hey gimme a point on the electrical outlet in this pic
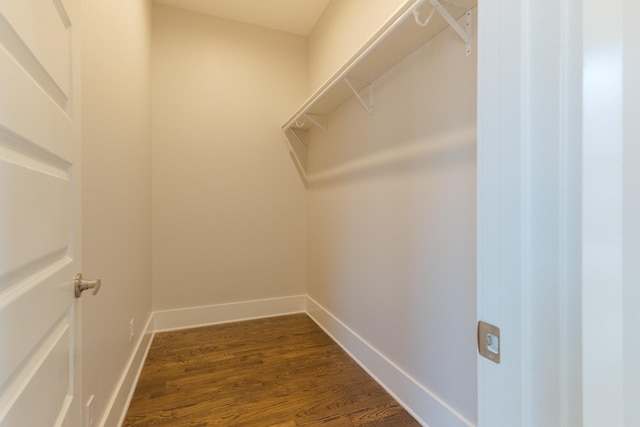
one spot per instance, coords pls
(88, 412)
(131, 330)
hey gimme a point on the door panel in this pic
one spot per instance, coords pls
(36, 34)
(48, 369)
(42, 27)
(39, 213)
(33, 235)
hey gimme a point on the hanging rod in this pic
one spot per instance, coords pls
(315, 119)
(465, 35)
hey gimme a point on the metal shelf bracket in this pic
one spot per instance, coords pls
(302, 140)
(465, 34)
(468, 31)
(317, 120)
(367, 106)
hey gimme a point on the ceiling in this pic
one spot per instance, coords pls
(293, 16)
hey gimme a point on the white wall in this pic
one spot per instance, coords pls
(341, 30)
(116, 231)
(392, 222)
(228, 205)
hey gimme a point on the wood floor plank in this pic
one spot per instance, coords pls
(276, 372)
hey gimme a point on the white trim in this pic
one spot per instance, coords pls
(423, 404)
(631, 212)
(603, 296)
(119, 403)
(501, 208)
(224, 313)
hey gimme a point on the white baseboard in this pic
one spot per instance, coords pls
(119, 402)
(423, 404)
(225, 313)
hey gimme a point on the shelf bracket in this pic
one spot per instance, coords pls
(368, 107)
(465, 34)
(468, 32)
(300, 140)
(318, 120)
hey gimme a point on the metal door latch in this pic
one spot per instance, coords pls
(489, 341)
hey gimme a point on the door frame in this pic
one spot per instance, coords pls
(555, 209)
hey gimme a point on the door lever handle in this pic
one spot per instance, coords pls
(83, 285)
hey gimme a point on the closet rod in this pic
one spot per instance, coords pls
(345, 71)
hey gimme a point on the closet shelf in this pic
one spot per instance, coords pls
(399, 36)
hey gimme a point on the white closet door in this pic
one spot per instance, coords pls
(39, 213)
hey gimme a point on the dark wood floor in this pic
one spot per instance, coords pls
(282, 371)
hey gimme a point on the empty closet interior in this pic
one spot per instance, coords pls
(332, 173)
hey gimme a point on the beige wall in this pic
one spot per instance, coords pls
(116, 231)
(392, 220)
(228, 206)
(388, 232)
(341, 31)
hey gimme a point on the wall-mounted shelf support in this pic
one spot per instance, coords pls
(468, 27)
(301, 139)
(465, 34)
(395, 40)
(367, 106)
(318, 120)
